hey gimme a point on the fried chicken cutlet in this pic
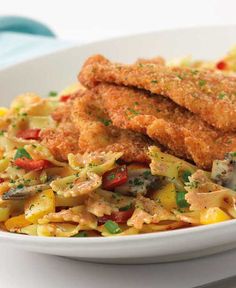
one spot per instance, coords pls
(183, 132)
(209, 94)
(82, 127)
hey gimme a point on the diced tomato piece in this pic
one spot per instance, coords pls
(29, 134)
(29, 164)
(1, 180)
(65, 98)
(118, 217)
(221, 65)
(115, 177)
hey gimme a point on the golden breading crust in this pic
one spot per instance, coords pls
(83, 126)
(184, 133)
(209, 94)
(98, 133)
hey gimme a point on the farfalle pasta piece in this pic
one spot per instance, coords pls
(148, 211)
(77, 214)
(38, 152)
(149, 228)
(203, 194)
(192, 217)
(75, 185)
(57, 230)
(102, 202)
(97, 162)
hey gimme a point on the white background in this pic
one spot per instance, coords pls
(92, 19)
(89, 20)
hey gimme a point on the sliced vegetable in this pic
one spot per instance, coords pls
(29, 134)
(213, 215)
(118, 217)
(115, 177)
(180, 199)
(29, 164)
(1, 180)
(39, 205)
(65, 98)
(4, 213)
(22, 153)
(112, 227)
(15, 223)
(221, 65)
(81, 234)
(166, 196)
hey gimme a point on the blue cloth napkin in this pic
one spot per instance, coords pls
(17, 46)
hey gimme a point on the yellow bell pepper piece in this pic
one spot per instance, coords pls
(15, 223)
(166, 196)
(4, 213)
(39, 205)
(3, 111)
(213, 215)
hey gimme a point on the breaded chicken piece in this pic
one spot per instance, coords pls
(98, 133)
(174, 127)
(209, 94)
(83, 126)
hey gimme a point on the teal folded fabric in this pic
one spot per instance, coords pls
(17, 47)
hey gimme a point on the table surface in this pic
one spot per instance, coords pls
(83, 23)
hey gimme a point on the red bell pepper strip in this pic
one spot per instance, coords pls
(221, 65)
(65, 98)
(1, 180)
(115, 177)
(29, 164)
(29, 134)
(118, 217)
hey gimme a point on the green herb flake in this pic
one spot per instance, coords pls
(180, 77)
(20, 186)
(185, 175)
(154, 81)
(112, 227)
(52, 94)
(147, 173)
(221, 95)
(22, 153)
(202, 82)
(1, 133)
(112, 176)
(138, 182)
(134, 112)
(126, 208)
(106, 122)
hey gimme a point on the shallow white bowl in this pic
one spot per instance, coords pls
(54, 72)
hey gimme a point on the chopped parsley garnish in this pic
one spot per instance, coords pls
(221, 95)
(22, 153)
(233, 154)
(81, 234)
(154, 81)
(126, 208)
(147, 173)
(24, 114)
(1, 133)
(52, 94)
(180, 77)
(138, 182)
(194, 72)
(201, 82)
(31, 206)
(20, 186)
(106, 122)
(112, 227)
(185, 175)
(134, 112)
(112, 176)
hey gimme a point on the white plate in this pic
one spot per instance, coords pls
(55, 71)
